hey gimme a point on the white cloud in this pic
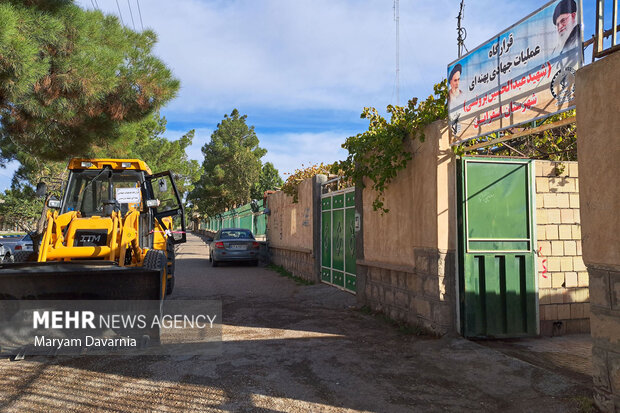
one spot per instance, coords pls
(301, 57)
(310, 54)
(289, 151)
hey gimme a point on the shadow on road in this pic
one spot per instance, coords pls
(288, 348)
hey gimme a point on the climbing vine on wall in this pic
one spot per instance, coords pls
(293, 180)
(382, 151)
(558, 144)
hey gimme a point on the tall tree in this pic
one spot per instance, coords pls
(268, 179)
(146, 141)
(231, 166)
(20, 208)
(70, 78)
(142, 140)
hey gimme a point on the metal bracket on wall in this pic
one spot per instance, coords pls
(538, 129)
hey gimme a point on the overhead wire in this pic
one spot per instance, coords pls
(140, 14)
(119, 13)
(131, 14)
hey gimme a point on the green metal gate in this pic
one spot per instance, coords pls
(497, 277)
(338, 239)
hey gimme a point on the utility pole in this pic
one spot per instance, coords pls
(397, 19)
(462, 33)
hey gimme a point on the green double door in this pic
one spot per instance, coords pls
(498, 296)
(338, 239)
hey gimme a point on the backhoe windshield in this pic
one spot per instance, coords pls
(87, 191)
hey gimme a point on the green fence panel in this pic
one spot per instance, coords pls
(260, 227)
(326, 244)
(241, 217)
(338, 240)
(349, 237)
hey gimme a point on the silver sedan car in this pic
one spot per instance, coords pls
(233, 244)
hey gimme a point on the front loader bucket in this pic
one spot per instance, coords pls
(78, 281)
(100, 286)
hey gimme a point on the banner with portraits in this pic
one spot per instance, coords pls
(525, 73)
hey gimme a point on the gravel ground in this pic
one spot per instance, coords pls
(289, 348)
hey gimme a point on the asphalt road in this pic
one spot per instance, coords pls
(288, 348)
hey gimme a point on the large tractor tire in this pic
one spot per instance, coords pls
(170, 262)
(156, 260)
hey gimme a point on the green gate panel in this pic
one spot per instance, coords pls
(499, 296)
(338, 240)
(349, 199)
(326, 275)
(497, 200)
(326, 239)
(326, 204)
(338, 255)
(497, 280)
(351, 282)
(338, 201)
(338, 278)
(349, 253)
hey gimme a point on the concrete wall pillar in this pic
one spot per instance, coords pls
(598, 152)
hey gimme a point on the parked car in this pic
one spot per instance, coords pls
(14, 244)
(5, 254)
(233, 244)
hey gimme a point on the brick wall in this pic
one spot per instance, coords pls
(563, 289)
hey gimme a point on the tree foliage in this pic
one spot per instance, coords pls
(145, 140)
(142, 140)
(269, 179)
(70, 78)
(20, 208)
(231, 167)
(381, 151)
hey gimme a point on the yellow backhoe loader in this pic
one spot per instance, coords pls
(111, 237)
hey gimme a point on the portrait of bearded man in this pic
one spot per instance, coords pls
(567, 25)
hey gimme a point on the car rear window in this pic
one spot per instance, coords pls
(231, 234)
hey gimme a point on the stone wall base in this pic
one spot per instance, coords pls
(549, 328)
(422, 295)
(298, 263)
(605, 319)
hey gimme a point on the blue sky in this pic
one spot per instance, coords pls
(303, 70)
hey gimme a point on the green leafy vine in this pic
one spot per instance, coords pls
(382, 151)
(558, 144)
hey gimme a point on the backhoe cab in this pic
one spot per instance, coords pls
(116, 224)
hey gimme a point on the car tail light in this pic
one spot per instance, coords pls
(18, 247)
(219, 245)
(255, 245)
